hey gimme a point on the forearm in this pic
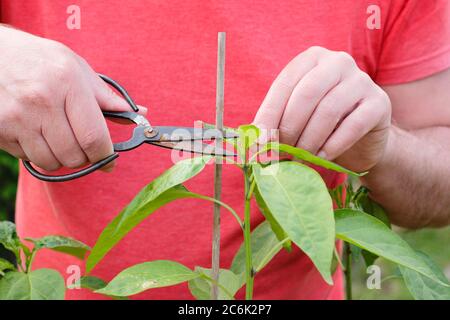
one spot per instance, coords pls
(412, 181)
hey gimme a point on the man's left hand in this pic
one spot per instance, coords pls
(322, 102)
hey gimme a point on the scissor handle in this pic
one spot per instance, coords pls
(81, 173)
(69, 176)
(121, 90)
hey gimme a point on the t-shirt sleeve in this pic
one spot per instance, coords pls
(416, 41)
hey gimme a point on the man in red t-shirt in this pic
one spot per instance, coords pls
(335, 104)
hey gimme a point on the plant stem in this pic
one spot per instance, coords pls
(348, 271)
(338, 258)
(230, 209)
(247, 239)
(218, 166)
(21, 268)
(252, 187)
(29, 262)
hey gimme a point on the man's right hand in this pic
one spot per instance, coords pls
(50, 103)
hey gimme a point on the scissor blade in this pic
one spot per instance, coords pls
(190, 134)
(195, 147)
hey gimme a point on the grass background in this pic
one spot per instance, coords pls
(433, 242)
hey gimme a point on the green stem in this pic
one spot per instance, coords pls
(20, 267)
(19, 262)
(29, 262)
(247, 240)
(252, 187)
(348, 271)
(231, 210)
(338, 258)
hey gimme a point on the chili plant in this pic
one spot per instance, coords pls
(298, 211)
(18, 281)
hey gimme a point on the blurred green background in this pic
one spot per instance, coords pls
(433, 242)
(8, 184)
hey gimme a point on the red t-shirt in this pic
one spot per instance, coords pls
(164, 53)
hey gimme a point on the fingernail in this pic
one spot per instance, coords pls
(142, 110)
(263, 137)
(108, 170)
(322, 154)
(109, 167)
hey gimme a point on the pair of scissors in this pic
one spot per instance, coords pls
(173, 137)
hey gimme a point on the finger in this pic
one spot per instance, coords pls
(38, 152)
(368, 116)
(272, 107)
(14, 149)
(109, 100)
(304, 99)
(87, 122)
(106, 97)
(59, 136)
(333, 108)
(142, 110)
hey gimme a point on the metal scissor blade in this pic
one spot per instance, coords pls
(195, 147)
(168, 133)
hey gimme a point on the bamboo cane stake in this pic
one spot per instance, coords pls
(218, 164)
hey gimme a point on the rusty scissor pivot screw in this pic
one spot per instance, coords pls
(150, 132)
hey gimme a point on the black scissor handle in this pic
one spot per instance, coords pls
(69, 176)
(121, 90)
(81, 173)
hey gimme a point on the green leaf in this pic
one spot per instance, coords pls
(5, 265)
(113, 233)
(61, 244)
(357, 253)
(232, 141)
(307, 156)
(9, 238)
(421, 287)
(158, 193)
(229, 284)
(42, 284)
(89, 282)
(276, 228)
(92, 283)
(366, 204)
(148, 275)
(371, 234)
(369, 257)
(248, 134)
(263, 241)
(334, 264)
(120, 227)
(299, 201)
